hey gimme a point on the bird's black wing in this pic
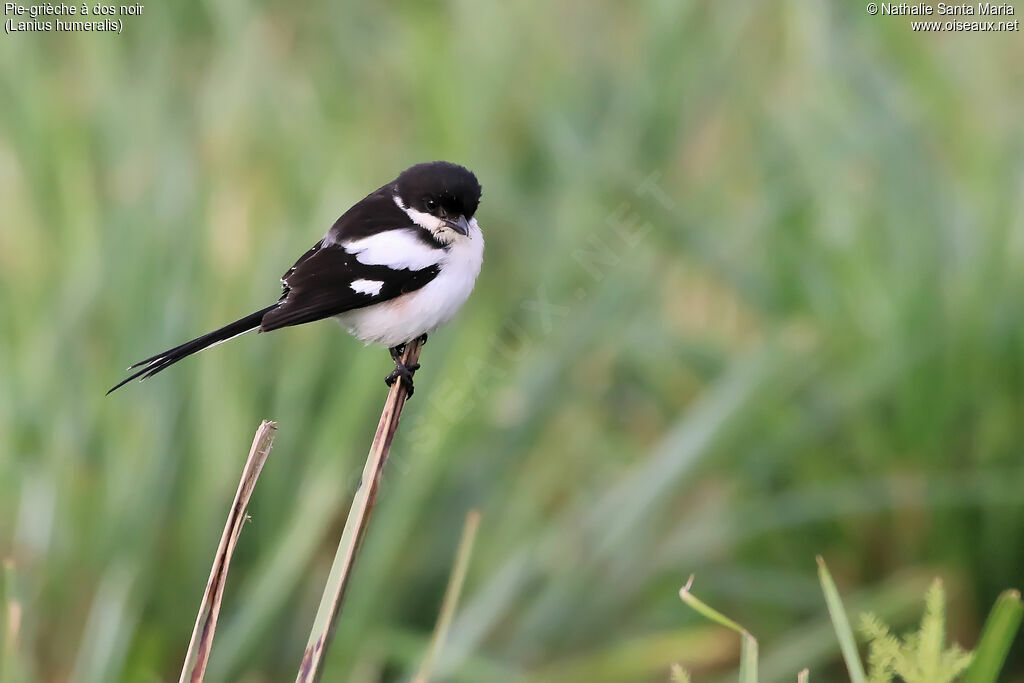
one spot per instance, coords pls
(330, 280)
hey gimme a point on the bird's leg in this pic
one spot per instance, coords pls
(401, 370)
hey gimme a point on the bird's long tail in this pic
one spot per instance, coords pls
(162, 361)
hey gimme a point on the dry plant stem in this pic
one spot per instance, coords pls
(451, 596)
(11, 624)
(206, 621)
(311, 668)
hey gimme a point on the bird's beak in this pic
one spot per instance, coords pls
(460, 226)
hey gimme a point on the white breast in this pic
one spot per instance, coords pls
(404, 318)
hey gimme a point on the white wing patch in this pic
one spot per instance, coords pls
(371, 287)
(396, 249)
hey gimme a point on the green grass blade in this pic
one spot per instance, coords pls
(996, 638)
(451, 596)
(813, 643)
(841, 624)
(748, 659)
(748, 648)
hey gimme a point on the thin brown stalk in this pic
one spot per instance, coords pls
(198, 655)
(10, 624)
(311, 668)
(451, 596)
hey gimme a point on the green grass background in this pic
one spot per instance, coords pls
(752, 292)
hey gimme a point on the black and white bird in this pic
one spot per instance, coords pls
(393, 268)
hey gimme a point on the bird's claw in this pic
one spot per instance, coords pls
(405, 373)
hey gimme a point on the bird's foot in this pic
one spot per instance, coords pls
(405, 373)
(401, 371)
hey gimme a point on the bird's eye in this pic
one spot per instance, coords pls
(431, 204)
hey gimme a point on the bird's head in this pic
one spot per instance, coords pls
(440, 197)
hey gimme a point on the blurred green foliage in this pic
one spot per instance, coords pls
(752, 293)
